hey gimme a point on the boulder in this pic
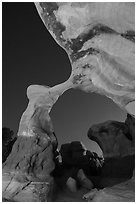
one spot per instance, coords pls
(72, 153)
(75, 156)
(71, 184)
(113, 137)
(116, 140)
(84, 181)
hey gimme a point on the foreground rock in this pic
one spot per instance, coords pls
(26, 172)
(123, 192)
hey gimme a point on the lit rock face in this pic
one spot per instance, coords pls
(26, 172)
(99, 40)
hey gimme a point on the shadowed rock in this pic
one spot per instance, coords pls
(114, 138)
(75, 156)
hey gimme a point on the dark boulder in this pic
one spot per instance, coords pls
(74, 156)
(113, 138)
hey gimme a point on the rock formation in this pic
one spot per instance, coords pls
(26, 172)
(114, 138)
(117, 141)
(123, 192)
(75, 155)
(99, 40)
(101, 51)
(78, 163)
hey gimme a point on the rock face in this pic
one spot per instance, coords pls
(100, 48)
(123, 192)
(26, 172)
(101, 51)
(116, 139)
(8, 139)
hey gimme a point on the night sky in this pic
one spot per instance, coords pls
(31, 56)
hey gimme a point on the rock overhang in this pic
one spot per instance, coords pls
(95, 65)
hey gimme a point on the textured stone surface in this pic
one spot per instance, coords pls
(114, 138)
(100, 49)
(25, 191)
(26, 172)
(123, 192)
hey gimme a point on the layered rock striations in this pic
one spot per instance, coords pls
(26, 172)
(99, 45)
(99, 41)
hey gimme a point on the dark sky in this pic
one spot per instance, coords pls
(31, 56)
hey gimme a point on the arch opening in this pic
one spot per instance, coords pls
(76, 111)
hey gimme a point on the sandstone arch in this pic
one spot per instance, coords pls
(102, 58)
